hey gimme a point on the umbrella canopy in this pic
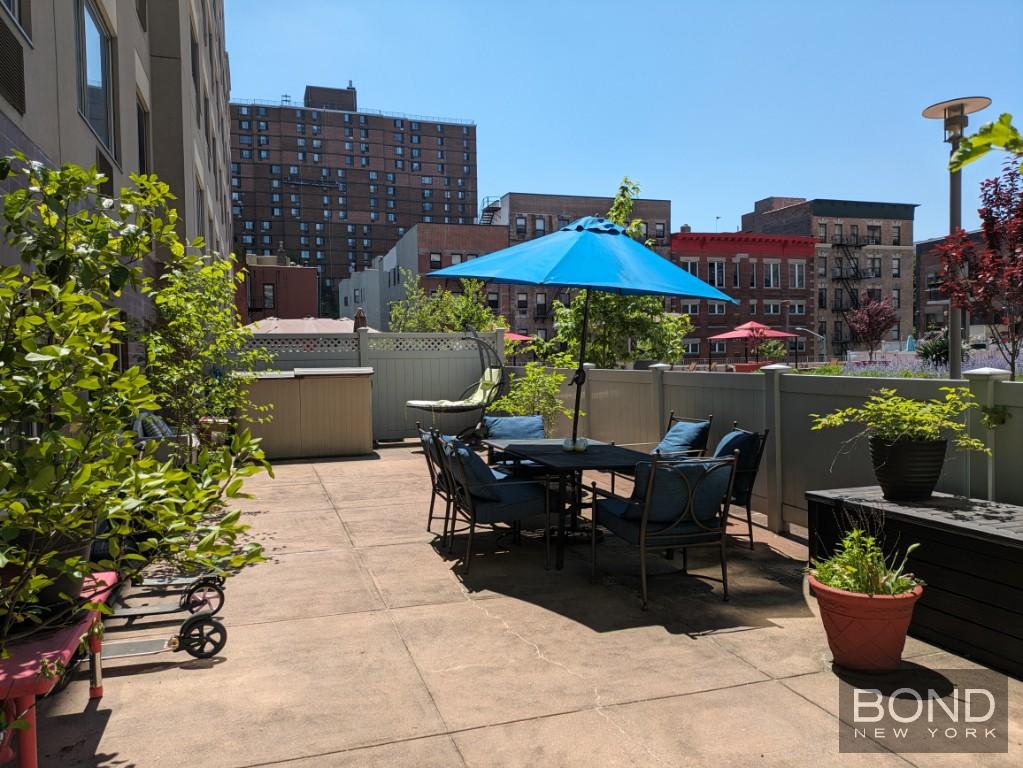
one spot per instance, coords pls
(591, 253)
(512, 336)
(767, 333)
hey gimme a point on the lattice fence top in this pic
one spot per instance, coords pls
(416, 343)
(324, 344)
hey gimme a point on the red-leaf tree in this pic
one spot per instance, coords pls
(872, 320)
(987, 279)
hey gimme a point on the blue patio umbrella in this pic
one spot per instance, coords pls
(591, 253)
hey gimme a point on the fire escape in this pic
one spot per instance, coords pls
(491, 205)
(846, 273)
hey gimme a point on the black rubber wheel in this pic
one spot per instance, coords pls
(202, 637)
(203, 596)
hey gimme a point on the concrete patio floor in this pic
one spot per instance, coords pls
(359, 644)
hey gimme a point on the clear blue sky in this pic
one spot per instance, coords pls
(710, 104)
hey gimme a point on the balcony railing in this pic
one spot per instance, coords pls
(856, 240)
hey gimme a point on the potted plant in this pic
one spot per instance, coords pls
(866, 603)
(908, 438)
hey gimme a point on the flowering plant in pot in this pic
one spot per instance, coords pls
(908, 437)
(866, 603)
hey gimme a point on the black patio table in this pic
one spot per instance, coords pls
(549, 454)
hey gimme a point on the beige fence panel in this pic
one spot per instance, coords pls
(621, 406)
(1008, 444)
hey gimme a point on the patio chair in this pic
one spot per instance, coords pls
(750, 449)
(512, 428)
(674, 505)
(483, 497)
(439, 483)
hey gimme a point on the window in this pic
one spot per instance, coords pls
(896, 234)
(716, 275)
(95, 95)
(200, 209)
(539, 225)
(268, 295)
(522, 301)
(797, 308)
(822, 231)
(837, 236)
(691, 308)
(541, 304)
(753, 306)
(735, 274)
(692, 266)
(715, 308)
(718, 347)
(264, 154)
(797, 274)
(772, 274)
(691, 347)
(659, 230)
(434, 261)
(752, 274)
(854, 233)
(874, 234)
(772, 308)
(822, 266)
(874, 266)
(456, 258)
(822, 298)
(142, 127)
(896, 265)
(896, 297)
(520, 225)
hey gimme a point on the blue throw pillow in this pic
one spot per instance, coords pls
(514, 427)
(478, 476)
(685, 436)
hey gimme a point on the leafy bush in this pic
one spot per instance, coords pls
(68, 459)
(772, 349)
(891, 417)
(934, 351)
(538, 391)
(859, 566)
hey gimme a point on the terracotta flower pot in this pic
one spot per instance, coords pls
(907, 470)
(865, 632)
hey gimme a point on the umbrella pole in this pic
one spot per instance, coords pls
(580, 374)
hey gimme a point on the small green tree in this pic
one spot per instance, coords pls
(442, 311)
(772, 349)
(621, 328)
(199, 358)
(537, 391)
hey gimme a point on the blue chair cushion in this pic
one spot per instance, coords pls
(672, 487)
(513, 427)
(685, 436)
(616, 516)
(478, 476)
(748, 446)
(517, 500)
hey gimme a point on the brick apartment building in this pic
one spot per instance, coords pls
(861, 246)
(127, 86)
(529, 309)
(769, 275)
(274, 287)
(338, 186)
(931, 306)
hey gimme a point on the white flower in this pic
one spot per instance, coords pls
(108, 202)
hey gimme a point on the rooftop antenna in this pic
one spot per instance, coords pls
(285, 98)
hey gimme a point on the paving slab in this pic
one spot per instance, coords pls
(412, 574)
(297, 531)
(323, 685)
(286, 497)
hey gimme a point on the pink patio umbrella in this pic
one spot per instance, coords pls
(512, 336)
(750, 330)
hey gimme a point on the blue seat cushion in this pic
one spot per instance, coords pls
(479, 478)
(516, 500)
(685, 436)
(672, 486)
(748, 446)
(513, 427)
(617, 516)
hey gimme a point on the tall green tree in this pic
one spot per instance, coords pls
(622, 328)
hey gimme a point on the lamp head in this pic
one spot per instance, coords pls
(954, 113)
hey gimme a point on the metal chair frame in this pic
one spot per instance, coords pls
(439, 482)
(693, 454)
(662, 538)
(752, 472)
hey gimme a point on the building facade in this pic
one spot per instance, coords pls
(770, 276)
(424, 248)
(862, 247)
(338, 187)
(529, 309)
(276, 289)
(129, 86)
(931, 305)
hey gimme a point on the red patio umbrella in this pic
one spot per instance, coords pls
(512, 336)
(751, 330)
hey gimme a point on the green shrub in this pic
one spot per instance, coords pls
(538, 391)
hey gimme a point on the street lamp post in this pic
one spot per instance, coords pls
(954, 114)
(823, 338)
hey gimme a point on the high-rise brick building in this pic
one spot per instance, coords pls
(861, 247)
(768, 275)
(336, 186)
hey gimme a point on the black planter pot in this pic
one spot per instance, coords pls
(907, 470)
